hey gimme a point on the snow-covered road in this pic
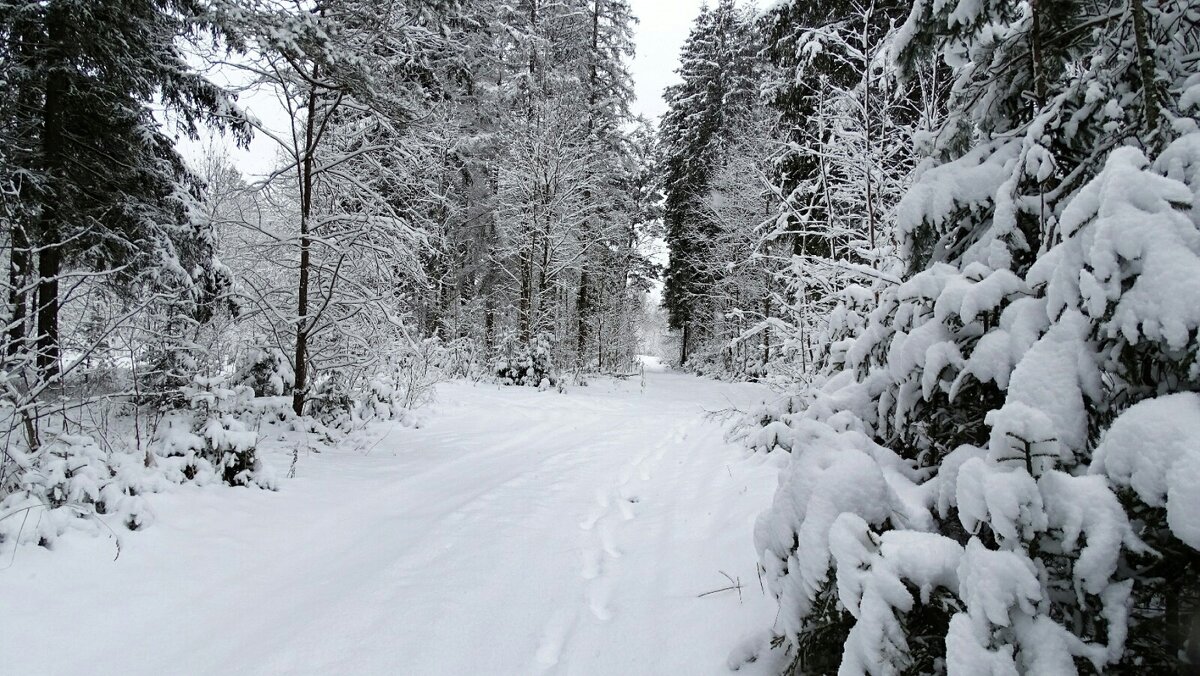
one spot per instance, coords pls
(516, 532)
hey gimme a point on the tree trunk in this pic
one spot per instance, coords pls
(49, 267)
(1145, 64)
(526, 306)
(543, 280)
(489, 326)
(683, 344)
(53, 154)
(766, 332)
(300, 388)
(20, 264)
(581, 306)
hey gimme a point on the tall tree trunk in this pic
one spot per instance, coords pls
(300, 388)
(766, 330)
(489, 325)
(600, 326)
(581, 308)
(49, 244)
(867, 142)
(543, 279)
(683, 344)
(20, 263)
(525, 309)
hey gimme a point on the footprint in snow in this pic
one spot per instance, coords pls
(599, 598)
(626, 505)
(607, 541)
(590, 522)
(592, 557)
(553, 636)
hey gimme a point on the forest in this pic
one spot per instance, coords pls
(922, 278)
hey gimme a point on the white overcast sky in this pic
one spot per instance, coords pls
(662, 28)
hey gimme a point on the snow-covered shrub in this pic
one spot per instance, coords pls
(998, 470)
(418, 369)
(66, 484)
(461, 358)
(211, 441)
(529, 365)
(404, 382)
(331, 401)
(264, 369)
(95, 477)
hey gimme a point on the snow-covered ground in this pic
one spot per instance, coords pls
(516, 532)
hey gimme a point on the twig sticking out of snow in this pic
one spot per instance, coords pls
(734, 583)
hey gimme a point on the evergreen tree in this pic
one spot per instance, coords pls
(1069, 82)
(982, 407)
(704, 110)
(99, 185)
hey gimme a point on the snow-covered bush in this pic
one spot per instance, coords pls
(407, 386)
(404, 383)
(419, 368)
(529, 365)
(68, 482)
(998, 472)
(461, 358)
(210, 441)
(93, 478)
(332, 399)
(264, 369)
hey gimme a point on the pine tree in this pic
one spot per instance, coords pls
(100, 187)
(704, 110)
(609, 89)
(1066, 85)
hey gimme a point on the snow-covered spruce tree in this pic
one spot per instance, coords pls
(704, 111)
(992, 475)
(529, 365)
(264, 369)
(83, 80)
(220, 445)
(608, 232)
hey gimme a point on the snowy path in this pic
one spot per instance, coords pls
(516, 533)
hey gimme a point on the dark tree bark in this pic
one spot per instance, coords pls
(300, 388)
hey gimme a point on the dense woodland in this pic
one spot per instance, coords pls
(961, 238)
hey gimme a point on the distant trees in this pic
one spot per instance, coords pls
(542, 223)
(705, 113)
